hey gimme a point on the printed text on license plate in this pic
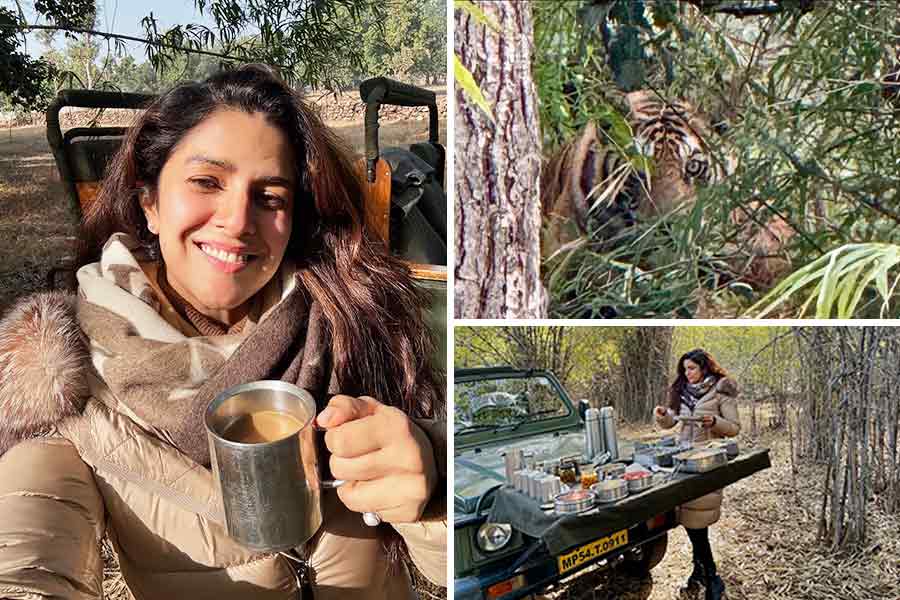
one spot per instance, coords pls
(590, 551)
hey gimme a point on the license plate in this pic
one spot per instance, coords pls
(592, 550)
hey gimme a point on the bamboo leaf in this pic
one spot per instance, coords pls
(841, 277)
(465, 80)
(476, 13)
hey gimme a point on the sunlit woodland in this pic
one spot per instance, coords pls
(822, 522)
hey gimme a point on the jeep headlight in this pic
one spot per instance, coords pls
(493, 536)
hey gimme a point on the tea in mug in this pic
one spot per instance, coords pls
(262, 426)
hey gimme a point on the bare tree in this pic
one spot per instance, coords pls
(849, 421)
(551, 348)
(498, 162)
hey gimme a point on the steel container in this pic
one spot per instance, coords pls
(700, 460)
(518, 478)
(575, 501)
(654, 440)
(513, 460)
(549, 488)
(525, 477)
(659, 478)
(656, 455)
(730, 446)
(639, 484)
(608, 425)
(534, 484)
(611, 471)
(611, 490)
(272, 491)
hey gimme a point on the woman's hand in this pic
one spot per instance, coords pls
(660, 411)
(709, 421)
(386, 459)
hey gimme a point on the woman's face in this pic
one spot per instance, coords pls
(692, 371)
(223, 211)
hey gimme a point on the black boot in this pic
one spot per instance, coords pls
(696, 581)
(715, 587)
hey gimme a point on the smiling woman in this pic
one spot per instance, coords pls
(223, 211)
(227, 245)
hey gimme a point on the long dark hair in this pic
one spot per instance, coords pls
(380, 342)
(708, 366)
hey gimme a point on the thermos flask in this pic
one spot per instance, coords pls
(608, 425)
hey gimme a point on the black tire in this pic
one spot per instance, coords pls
(650, 555)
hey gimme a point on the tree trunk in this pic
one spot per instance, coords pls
(645, 356)
(498, 218)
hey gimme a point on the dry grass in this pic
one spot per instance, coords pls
(765, 545)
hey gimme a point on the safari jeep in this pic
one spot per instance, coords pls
(498, 409)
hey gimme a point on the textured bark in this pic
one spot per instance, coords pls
(645, 356)
(497, 217)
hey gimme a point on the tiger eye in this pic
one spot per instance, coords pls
(696, 168)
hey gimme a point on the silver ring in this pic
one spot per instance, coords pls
(372, 519)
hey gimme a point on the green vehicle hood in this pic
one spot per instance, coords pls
(479, 469)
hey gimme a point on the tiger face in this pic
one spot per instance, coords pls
(589, 187)
(676, 138)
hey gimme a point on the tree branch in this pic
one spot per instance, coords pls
(108, 35)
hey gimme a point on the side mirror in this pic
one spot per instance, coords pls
(583, 405)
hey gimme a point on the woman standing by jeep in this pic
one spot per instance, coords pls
(701, 389)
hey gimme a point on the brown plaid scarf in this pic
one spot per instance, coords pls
(164, 378)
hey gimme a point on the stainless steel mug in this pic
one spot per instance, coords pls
(271, 491)
(513, 460)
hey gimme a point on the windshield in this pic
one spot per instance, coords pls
(500, 403)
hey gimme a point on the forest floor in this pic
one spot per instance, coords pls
(765, 544)
(37, 225)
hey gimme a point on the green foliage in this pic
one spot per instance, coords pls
(839, 280)
(753, 355)
(68, 13)
(463, 76)
(413, 44)
(331, 44)
(802, 114)
(760, 358)
(465, 81)
(23, 80)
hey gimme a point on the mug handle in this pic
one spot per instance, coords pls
(372, 519)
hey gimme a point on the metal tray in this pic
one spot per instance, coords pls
(700, 460)
(654, 440)
(656, 455)
(730, 446)
(611, 490)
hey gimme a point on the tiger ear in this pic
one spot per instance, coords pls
(638, 98)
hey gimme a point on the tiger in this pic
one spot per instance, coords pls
(590, 188)
(670, 133)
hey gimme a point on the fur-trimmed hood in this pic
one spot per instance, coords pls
(43, 366)
(727, 386)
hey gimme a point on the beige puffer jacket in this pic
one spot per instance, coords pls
(89, 469)
(720, 402)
